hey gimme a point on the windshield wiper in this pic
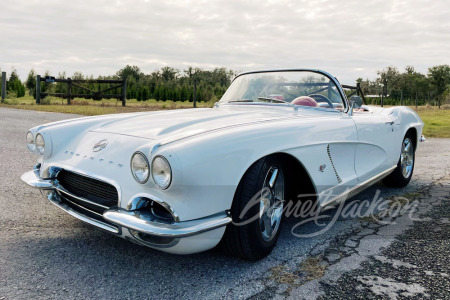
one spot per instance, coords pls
(241, 100)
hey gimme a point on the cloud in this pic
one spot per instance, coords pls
(349, 39)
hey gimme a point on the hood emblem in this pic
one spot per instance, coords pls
(100, 145)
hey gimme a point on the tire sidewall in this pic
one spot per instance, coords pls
(253, 229)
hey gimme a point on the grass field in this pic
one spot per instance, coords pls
(93, 108)
(437, 121)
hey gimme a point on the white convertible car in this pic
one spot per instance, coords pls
(182, 181)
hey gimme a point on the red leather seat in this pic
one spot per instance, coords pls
(305, 101)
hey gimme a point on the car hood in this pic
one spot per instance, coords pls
(187, 122)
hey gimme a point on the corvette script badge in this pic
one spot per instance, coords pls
(100, 145)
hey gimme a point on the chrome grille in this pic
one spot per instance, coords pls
(93, 190)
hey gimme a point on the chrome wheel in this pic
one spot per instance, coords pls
(407, 158)
(271, 203)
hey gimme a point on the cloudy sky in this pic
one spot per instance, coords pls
(349, 39)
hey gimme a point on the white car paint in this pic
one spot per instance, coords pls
(209, 151)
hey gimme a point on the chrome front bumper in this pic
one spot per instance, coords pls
(132, 220)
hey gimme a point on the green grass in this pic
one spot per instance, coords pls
(437, 121)
(92, 108)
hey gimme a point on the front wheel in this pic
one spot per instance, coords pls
(402, 174)
(257, 211)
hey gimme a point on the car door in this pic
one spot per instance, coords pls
(377, 148)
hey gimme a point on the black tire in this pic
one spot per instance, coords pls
(247, 241)
(398, 178)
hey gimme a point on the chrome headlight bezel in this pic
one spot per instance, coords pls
(30, 142)
(39, 142)
(133, 169)
(161, 164)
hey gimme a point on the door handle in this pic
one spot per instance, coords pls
(391, 122)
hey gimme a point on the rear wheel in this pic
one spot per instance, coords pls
(402, 174)
(257, 211)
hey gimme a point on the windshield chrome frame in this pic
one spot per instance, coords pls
(326, 74)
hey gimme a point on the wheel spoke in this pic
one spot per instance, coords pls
(262, 208)
(267, 225)
(273, 178)
(407, 146)
(276, 214)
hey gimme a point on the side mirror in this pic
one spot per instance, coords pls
(357, 100)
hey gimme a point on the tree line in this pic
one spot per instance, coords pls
(164, 84)
(408, 86)
(169, 83)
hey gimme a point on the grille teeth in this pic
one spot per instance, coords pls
(88, 188)
(332, 164)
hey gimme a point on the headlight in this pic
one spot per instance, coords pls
(140, 167)
(30, 142)
(40, 144)
(161, 172)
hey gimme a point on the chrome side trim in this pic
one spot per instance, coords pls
(133, 220)
(355, 190)
(54, 198)
(332, 164)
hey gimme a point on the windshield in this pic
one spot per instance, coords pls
(305, 88)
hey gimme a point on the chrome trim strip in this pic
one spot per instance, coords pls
(59, 188)
(54, 198)
(81, 207)
(132, 220)
(355, 190)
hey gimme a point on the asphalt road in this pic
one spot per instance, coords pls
(45, 253)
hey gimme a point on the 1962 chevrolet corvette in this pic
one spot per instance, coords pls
(182, 181)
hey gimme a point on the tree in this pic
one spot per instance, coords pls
(440, 79)
(168, 73)
(391, 75)
(31, 82)
(14, 84)
(133, 71)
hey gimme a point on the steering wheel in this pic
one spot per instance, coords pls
(321, 98)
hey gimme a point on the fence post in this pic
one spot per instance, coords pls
(124, 92)
(38, 89)
(3, 86)
(401, 97)
(416, 100)
(195, 93)
(69, 90)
